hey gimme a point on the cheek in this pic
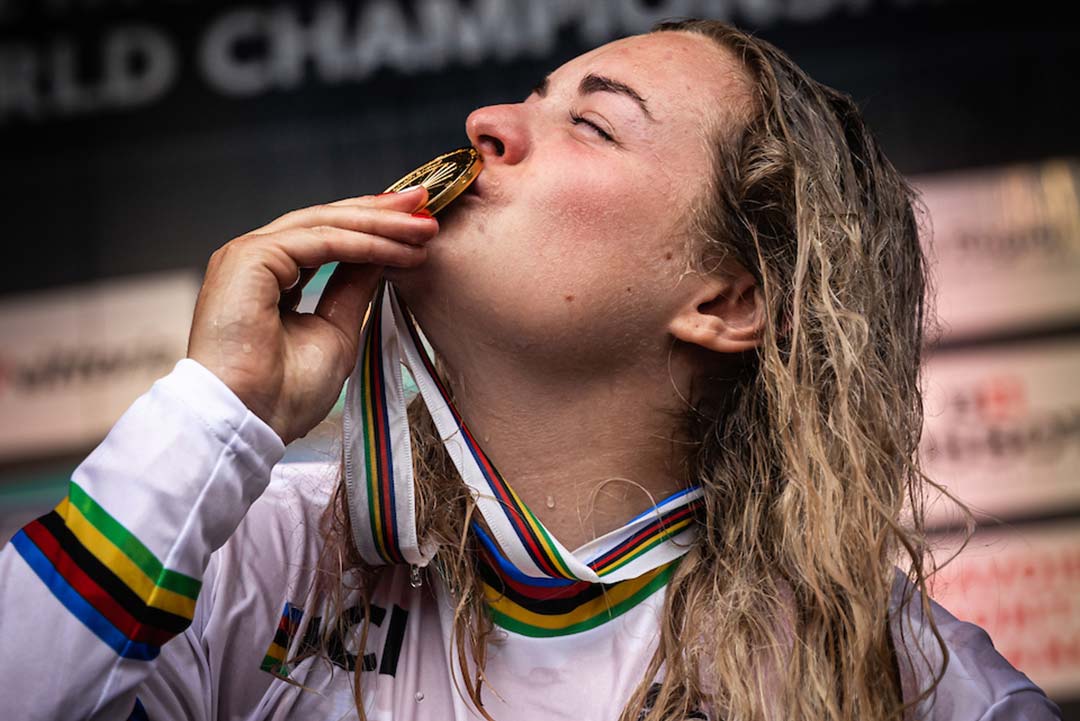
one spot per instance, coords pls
(601, 264)
(583, 211)
(608, 232)
(600, 217)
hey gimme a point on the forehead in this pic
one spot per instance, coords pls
(682, 76)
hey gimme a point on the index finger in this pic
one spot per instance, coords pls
(379, 199)
(405, 201)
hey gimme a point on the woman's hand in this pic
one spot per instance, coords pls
(288, 367)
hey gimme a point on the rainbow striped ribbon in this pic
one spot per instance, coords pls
(379, 479)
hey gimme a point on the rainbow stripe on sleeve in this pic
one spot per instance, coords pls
(106, 577)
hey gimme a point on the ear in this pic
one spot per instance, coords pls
(725, 313)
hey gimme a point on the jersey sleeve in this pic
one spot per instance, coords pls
(977, 683)
(91, 591)
(249, 608)
(1025, 705)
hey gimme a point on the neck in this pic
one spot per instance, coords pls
(585, 457)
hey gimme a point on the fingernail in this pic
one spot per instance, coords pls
(423, 213)
(411, 187)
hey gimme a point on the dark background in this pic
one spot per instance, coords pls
(92, 192)
(946, 85)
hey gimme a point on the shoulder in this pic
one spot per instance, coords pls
(978, 684)
(267, 562)
(272, 556)
(280, 535)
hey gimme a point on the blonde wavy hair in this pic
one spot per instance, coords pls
(806, 450)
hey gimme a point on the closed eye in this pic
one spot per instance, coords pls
(578, 120)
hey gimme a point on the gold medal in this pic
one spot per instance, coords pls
(445, 177)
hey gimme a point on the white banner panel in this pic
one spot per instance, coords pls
(1023, 586)
(1005, 247)
(73, 360)
(1003, 427)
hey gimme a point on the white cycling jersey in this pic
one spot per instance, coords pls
(174, 582)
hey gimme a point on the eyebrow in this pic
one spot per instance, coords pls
(593, 83)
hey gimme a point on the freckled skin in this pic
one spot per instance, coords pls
(566, 221)
(549, 296)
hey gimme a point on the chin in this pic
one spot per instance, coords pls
(407, 280)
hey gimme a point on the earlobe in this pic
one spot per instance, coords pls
(726, 315)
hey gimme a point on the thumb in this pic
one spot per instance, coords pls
(406, 200)
(345, 300)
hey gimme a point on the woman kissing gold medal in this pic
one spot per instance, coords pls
(445, 177)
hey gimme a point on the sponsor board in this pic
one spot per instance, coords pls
(1002, 428)
(74, 359)
(1022, 585)
(1004, 247)
(137, 54)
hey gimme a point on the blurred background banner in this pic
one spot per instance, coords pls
(1023, 586)
(1004, 248)
(74, 359)
(1003, 428)
(136, 137)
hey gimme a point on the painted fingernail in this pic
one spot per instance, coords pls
(423, 213)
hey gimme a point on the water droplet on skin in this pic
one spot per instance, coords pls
(550, 502)
(310, 357)
(419, 696)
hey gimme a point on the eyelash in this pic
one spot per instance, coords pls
(578, 120)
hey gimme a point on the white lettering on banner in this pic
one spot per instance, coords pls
(323, 42)
(504, 30)
(128, 49)
(69, 96)
(18, 76)
(382, 38)
(138, 66)
(250, 50)
(1023, 586)
(223, 69)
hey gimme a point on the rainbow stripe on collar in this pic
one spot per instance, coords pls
(544, 610)
(379, 480)
(378, 450)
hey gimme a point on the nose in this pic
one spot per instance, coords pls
(499, 132)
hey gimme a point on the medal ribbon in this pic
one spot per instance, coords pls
(379, 474)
